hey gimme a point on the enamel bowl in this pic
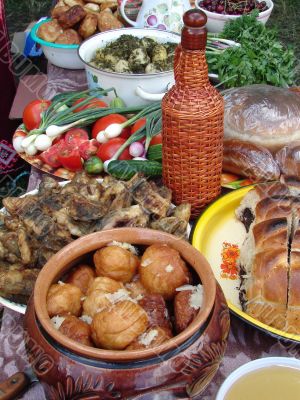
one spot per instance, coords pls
(61, 55)
(134, 89)
(216, 22)
(180, 367)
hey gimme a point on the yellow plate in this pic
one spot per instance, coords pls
(217, 234)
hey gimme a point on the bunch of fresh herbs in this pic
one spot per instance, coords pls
(260, 58)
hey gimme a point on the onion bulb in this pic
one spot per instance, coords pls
(31, 150)
(136, 149)
(112, 131)
(28, 141)
(17, 143)
(43, 142)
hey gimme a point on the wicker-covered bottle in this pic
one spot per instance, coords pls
(192, 117)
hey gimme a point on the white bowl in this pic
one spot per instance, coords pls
(216, 22)
(134, 89)
(254, 366)
(61, 55)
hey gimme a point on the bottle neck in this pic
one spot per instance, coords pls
(190, 68)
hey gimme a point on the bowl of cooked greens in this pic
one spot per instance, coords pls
(137, 62)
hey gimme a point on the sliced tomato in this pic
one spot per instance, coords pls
(108, 150)
(104, 122)
(88, 148)
(32, 113)
(70, 159)
(138, 124)
(51, 157)
(76, 136)
(156, 139)
(94, 103)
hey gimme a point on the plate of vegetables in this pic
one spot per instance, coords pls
(81, 131)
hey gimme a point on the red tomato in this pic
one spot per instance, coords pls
(138, 124)
(104, 122)
(156, 140)
(51, 157)
(88, 148)
(94, 103)
(32, 113)
(70, 158)
(108, 150)
(20, 134)
(76, 136)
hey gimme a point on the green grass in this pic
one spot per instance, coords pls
(19, 13)
(286, 19)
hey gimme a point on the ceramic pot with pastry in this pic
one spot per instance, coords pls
(259, 121)
(126, 313)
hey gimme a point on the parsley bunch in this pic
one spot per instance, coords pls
(261, 58)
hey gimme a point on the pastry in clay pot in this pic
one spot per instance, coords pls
(158, 314)
(162, 270)
(75, 329)
(136, 289)
(116, 327)
(153, 337)
(116, 263)
(98, 298)
(82, 276)
(187, 303)
(64, 298)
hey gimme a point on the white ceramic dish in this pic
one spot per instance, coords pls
(216, 22)
(134, 89)
(61, 55)
(254, 366)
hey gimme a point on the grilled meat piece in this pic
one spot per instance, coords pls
(17, 283)
(144, 194)
(24, 246)
(76, 228)
(16, 205)
(9, 248)
(171, 225)
(81, 209)
(48, 184)
(37, 222)
(183, 212)
(131, 216)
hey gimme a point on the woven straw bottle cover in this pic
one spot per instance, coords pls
(192, 118)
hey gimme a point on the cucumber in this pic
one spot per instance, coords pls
(155, 153)
(123, 169)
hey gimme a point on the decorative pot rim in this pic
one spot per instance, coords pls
(62, 261)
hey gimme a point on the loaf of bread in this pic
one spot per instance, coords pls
(249, 160)
(264, 115)
(270, 256)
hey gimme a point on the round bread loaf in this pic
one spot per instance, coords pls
(263, 115)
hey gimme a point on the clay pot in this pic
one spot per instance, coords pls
(182, 366)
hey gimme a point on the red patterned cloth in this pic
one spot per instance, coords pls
(8, 157)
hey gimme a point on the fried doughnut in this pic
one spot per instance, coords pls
(116, 327)
(116, 263)
(162, 270)
(50, 31)
(63, 299)
(69, 36)
(88, 26)
(76, 329)
(71, 17)
(82, 276)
